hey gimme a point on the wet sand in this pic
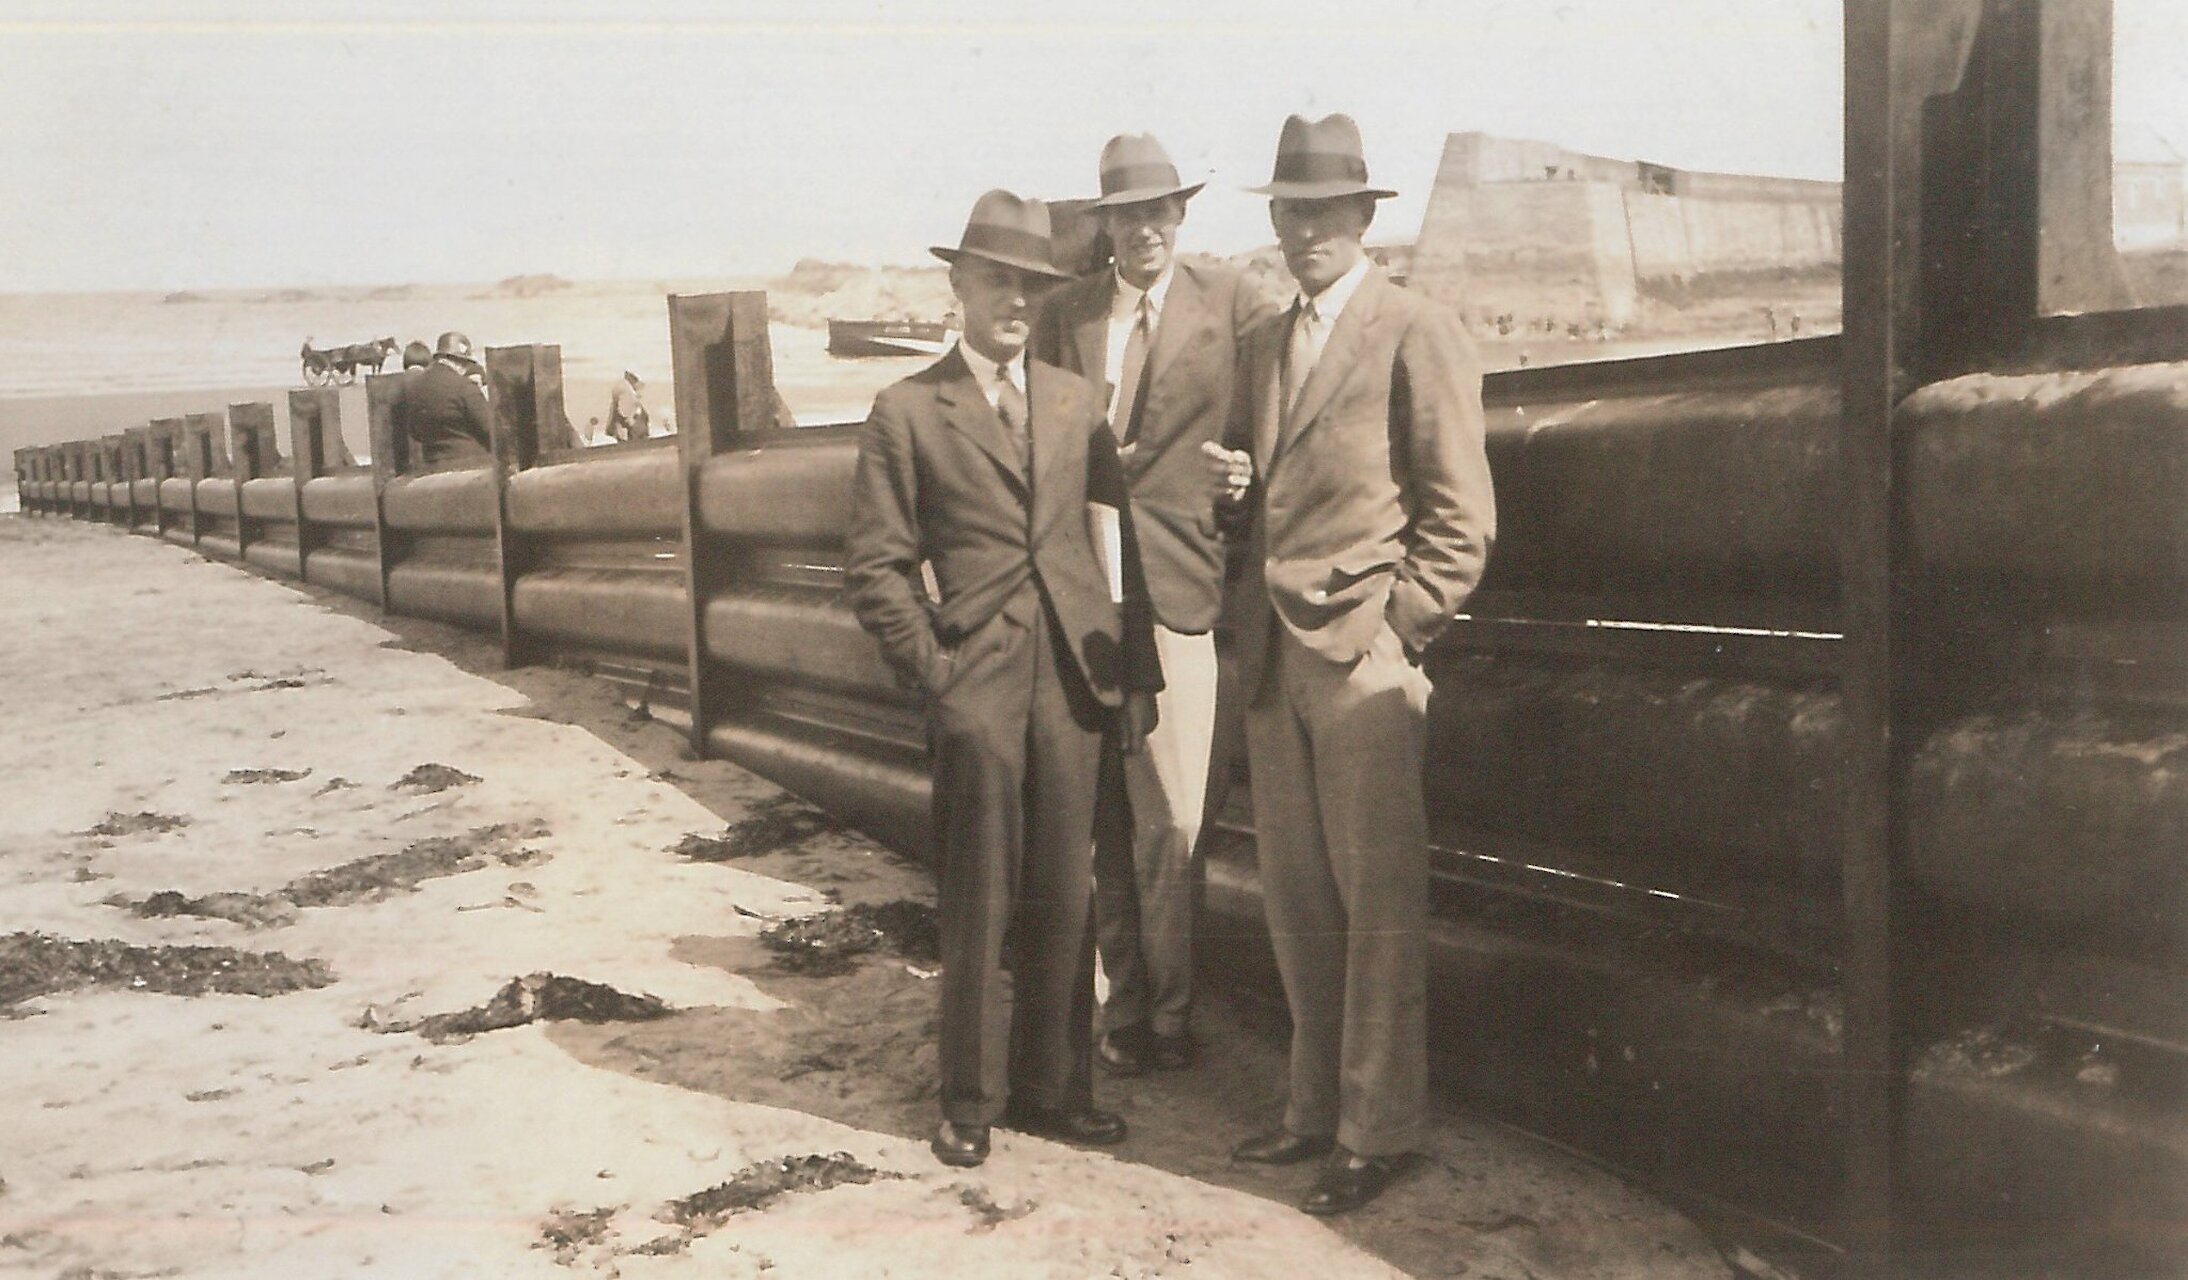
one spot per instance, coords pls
(279, 1135)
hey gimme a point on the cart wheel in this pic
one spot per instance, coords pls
(317, 375)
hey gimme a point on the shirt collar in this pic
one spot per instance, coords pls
(1127, 298)
(984, 369)
(1330, 303)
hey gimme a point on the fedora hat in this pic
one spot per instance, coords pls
(1135, 168)
(1319, 160)
(1007, 229)
(455, 346)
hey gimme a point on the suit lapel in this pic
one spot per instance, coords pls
(1053, 445)
(1184, 326)
(968, 411)
(1339, 357)
(1266, 386)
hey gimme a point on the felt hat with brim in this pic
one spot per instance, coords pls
(1008, 229)
(1320, 160)
(1136, 169)
(455, 346)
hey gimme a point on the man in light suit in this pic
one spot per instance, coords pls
(983, 468)
(1162, 337)
(1357, 456)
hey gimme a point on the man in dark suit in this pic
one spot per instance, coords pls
(1357, 446)
(1162, 337)
(443, 411)
(992, 470)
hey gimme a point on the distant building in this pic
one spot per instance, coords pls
(2149, 205)
(1515, 225)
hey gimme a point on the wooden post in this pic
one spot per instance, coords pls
(315, 448)
(163, 438)
(115, 449)
(725, 388)
(1884, 101)
(390, 458)
(243, 451)
(201, 437)
(525, 392)
(139, 440)
(72, 461)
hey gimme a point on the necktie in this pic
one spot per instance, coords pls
(1132, 378)
(1010, 405)
(1299, 353)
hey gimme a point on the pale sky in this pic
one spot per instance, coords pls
(218, 144)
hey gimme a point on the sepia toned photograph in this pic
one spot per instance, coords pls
(725, 638)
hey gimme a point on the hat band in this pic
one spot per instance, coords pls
(1014, 242)
(1137, 177)
(1320, 166)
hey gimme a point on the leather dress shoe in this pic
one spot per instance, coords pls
(1281, 1146)
(961, 1146)
(1125, 1051)
(1086, 1127)
(1349, 1181)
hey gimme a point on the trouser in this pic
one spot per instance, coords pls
(1334, 751)
(1143, 874)
(1016, 742)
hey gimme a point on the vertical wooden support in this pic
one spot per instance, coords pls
(90, 450)
(525, 392)
(115, 450)
(315, 448)
(390, 458)
(725, 387)
(243, 452)
(201, 441)
(140, 468)
(163, 438)
(73, 461)
(1883, 141)
(92, 465)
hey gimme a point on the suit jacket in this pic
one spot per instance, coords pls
(443, 412)
(1372, 497)
(1191, 370)
(938, 481)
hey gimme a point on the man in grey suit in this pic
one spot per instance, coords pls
(1357, 454)
(986, 467)
(1162, 337)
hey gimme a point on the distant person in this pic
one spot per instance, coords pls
(444, 411)
(416, 357)
(627, 417)
(1162, 337)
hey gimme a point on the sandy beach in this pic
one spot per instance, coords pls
(203, 758)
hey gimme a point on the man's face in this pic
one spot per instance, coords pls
(1144, 236)
(1321, 238)
(997, 305)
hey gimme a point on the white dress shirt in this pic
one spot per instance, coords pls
(1124, 312)
(1317, 315)
(984, 370)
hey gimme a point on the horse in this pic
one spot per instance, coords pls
(368, 355)
(340, 364)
